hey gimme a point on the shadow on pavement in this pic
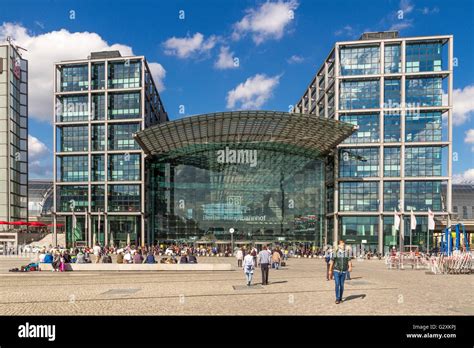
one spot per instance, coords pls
(353, 297)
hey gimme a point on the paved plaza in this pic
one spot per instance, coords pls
(298, 289)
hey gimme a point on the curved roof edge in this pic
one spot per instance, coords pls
(309, 133)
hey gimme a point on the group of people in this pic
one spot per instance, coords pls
(250, 259)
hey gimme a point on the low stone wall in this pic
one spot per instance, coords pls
(142, 267)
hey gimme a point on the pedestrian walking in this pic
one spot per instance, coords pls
(276, 259)
(240, 256)
(327, 258)
(96, 250)
(248, 267)
(340, 264)
(264, 259)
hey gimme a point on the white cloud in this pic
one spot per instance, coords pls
(39, 158)
(463, 104)
(406, 6)
(189, 46)
(467, 176)
(266, 22)
(252, 93)
(295, 59)
(469, 136)
(158, 73)
(48, 48)
(225, 59)
(408, 23)
(428, 11)
(346, 31)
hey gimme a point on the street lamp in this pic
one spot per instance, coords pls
(231, 231)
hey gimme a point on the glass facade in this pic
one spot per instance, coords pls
(98, 137)
(72, 197)
(98, 76)
(424, 57)
(73, 138)
(391, 128)
(390, 235)
(360, 230)
(124, 167)
(423, 161)
(124, 198)
(424, 126)
(426, 91)
(73, 168)
(74, 78)
(392, 59)
(123, 106)
(392, 93)
(360, 60)
(359, 95)
(73, 108)
(391, 195)
(121, 136)
(125, 74)
(391, 161)
(98, 107)
(421, 195)
(358, 196)
(359, 162)
(368, 131)
(278, 198)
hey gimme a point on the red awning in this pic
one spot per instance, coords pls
(4, 223)
(18, 223)
(36, 224)
(57, 225)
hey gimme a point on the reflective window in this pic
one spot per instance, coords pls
(73, 108)
(391, 161)
(421, 195)
(391, 128)
(423, 161)
(98, 76)
(124, 74)
(424, 91)
(360, 60)
(98, 168)
(424, 126)
(124, 198)
(124, 167)
(121, 136)
(390, 234)
(124, 105)
(368, 131)
(73, 168)
(98, 137)
(74, 78)
(73, 138)
(392, 59)
(75, 196)
(97, 197)
(392, 93)
(357, 228)
(418, 235)
(199, 196)
(359, 95)
(98, 106)
(358, 196)
(391, 195)
(359, 162)
(423, 57)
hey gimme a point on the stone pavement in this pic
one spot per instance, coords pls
(298, 289)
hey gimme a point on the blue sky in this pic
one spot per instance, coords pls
(277, 53)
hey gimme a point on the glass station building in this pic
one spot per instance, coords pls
(258, 172)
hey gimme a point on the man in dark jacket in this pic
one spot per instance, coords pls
(340, 264)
